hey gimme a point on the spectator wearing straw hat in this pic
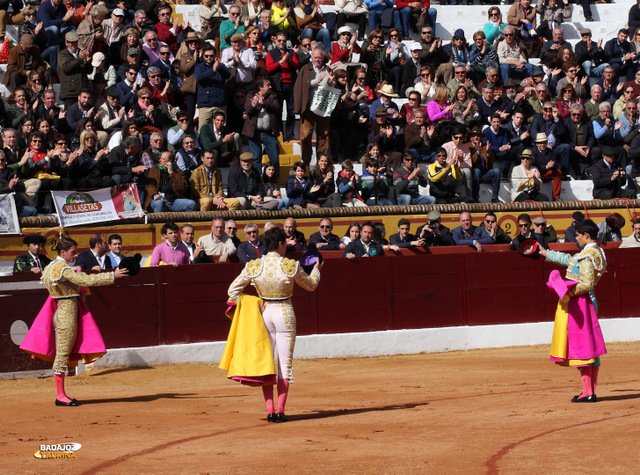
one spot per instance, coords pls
(189, 54)
(526, 180)
(386, 94)
(545, 159)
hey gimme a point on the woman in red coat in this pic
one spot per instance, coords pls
(343, 49)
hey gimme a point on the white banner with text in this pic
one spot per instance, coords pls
(107, 204)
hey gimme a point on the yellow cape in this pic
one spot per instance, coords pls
(248, 352)
(559, 339)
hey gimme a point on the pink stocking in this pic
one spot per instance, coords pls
(585, 373)
(267, 392)
(283, 390)
(594, 377)
(61, 395)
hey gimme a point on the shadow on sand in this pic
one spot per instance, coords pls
(117, 370)
(348, 412)
(146, 398)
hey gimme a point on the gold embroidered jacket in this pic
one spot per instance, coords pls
(63, 280)
(274, 277)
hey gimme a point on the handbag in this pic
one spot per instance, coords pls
(324, 100)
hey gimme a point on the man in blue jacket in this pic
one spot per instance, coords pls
(469, 235)
(210, 76)
(55, 18)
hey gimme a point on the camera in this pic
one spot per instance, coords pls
(433, 225)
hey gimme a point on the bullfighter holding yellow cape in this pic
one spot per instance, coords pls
(247, 357)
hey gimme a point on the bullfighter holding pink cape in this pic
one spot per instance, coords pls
(76, 333)
(577, 339)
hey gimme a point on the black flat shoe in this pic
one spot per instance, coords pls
(590, 398)
(280, 417)
(271, 417)
(72, 403)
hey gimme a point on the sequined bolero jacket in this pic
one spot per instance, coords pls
(63, 280)
(586, 267)
(274, 277)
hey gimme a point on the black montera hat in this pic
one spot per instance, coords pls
(309, 258)
(530, 248)
(131, 263)
(34, 239)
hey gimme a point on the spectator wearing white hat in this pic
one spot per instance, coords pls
(101, 68)
(411, 69)
(343, 49)
(526, 180)
(113, 27)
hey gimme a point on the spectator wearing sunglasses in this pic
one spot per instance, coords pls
(23, 58)
(232, 26)
(324, 239)
(550, 122)
(166, 30)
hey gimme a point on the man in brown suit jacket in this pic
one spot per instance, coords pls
(206, 185)
(22, 56)
(310, 77)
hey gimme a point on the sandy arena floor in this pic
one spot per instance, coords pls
(486, 411)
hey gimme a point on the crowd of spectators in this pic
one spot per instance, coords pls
(368, 239)
(179, 245)
(145, 98)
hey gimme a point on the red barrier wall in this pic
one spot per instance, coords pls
(415, 289)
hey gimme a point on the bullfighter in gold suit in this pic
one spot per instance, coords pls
(274, 276)
(64, 283)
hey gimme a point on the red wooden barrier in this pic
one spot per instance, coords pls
(413, 289)
(17, 304)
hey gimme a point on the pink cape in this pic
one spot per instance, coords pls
(584, 336)
(40, 340)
